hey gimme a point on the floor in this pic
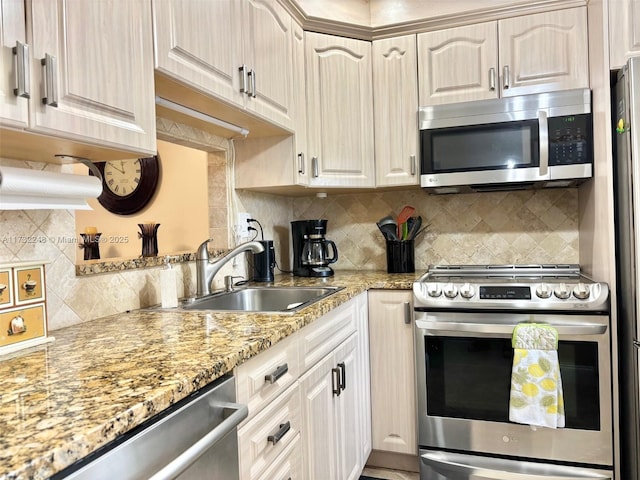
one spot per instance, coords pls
(390, 474)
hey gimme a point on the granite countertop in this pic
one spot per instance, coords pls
(97, 380)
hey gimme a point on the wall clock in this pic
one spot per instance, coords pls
(128, 185)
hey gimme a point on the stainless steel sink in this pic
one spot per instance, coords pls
(262, 299)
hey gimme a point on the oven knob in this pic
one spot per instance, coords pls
(543, 291)
(562, 291)
(450, 290)
(581, 291)
(467, 290)
(433, 290)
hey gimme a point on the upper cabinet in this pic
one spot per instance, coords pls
(395, 90)
(624, 31)
(84, 73)
(14, 60)
(521, 55)
(245, 60)
(339, 111)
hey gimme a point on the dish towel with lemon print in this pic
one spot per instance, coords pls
(536, 386)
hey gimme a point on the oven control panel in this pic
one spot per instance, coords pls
(543, 295)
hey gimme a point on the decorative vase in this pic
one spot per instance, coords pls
(149, 235)
(91, 245)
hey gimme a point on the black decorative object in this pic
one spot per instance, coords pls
(91, 245)
(400, 256)
(149, 235)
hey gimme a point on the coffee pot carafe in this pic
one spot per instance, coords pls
(315, 251)
(312, 252)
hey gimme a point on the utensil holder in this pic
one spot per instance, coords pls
(400, 256)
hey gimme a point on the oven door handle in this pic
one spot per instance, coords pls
(488, 328)
(499, 469)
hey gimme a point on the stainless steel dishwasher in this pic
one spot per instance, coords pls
(195, 439)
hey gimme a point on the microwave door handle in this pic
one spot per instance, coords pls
(543, 135)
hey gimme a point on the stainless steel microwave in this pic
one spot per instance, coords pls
(528, 141)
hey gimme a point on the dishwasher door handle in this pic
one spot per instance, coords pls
(195, 451)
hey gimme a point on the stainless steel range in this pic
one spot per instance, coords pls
(464, 320)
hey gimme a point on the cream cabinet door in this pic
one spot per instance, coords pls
(14, 110)
(393, 383)
(299, 106)
(624, 31)
(458, 64)
(340, 111)
(318, 426)
(395, 111)
(544, 52)
(267, 40)
(198, 43)
(96, 85)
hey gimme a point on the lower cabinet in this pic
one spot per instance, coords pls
(315, 425)
(393, 388)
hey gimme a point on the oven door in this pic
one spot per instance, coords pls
(463, 371)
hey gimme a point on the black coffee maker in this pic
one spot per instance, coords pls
(311, 250)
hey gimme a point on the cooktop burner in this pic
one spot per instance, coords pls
(508, 287)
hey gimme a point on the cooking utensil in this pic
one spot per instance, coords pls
(403, 216)
(389, 231)
(414, 225)
(387, 225)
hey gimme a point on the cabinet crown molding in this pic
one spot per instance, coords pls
(415, 17)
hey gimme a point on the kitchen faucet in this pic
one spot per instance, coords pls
(206, 269)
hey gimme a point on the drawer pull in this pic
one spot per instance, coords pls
(343, 376)
(17, 326)
(335, 381)
(276, 437)
(277, 373)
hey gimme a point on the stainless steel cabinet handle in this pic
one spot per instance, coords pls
(185, 459)
(276, 437)
(50, 66)
(243, 79)
(412, 159)
(343, 376)
(543, 134)
(314, 167)
(252, 83)
(335, 381)
(492, 78)
(301, 163)
(407, 313)
(21, 52)
(277, 373)
(506, 81)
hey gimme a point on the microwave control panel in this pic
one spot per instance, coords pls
(569, 139)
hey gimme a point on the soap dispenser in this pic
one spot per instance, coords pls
(168, 288)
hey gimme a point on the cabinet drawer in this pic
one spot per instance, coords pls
(263, 438)
(265, 376)
(19, 325)
(324, 335)
(6, 288)
(28, 284)
(288, 466)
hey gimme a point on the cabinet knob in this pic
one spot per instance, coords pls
(492, 78)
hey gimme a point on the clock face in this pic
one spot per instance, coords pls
(128, 185)
(122, 177)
